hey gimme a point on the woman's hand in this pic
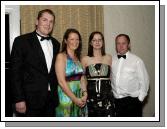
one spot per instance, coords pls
(84, 97)
(79, 102)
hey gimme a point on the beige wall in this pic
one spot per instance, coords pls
(85, 19)
(138, 21)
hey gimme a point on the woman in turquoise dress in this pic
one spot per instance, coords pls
(72, 88)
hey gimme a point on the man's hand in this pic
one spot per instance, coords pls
(21, 107)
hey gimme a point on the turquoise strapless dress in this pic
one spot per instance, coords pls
(66, 107)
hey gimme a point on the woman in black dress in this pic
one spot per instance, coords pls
(97, 65)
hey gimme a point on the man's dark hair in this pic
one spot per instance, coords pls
(45, 11)
(125, 35)
(127, 38)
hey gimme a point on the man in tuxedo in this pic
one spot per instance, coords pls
(33, 78)
(130, 80)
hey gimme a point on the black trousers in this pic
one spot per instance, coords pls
(128, 107)
(48, 110)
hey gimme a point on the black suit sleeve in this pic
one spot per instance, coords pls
(58, 48)
(17, 56)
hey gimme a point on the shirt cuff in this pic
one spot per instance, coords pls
(141, 96)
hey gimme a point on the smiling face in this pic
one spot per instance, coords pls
(97, 41)
(45, 24)
(122, 45)
(73, 41)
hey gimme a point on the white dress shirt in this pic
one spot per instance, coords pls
(47, 48)
(129, 77)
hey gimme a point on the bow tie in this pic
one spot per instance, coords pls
(123, 56)
(44, 38)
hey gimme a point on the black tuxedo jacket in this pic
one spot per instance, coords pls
(29, 73)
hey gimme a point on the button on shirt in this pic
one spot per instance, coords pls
(129, 77)
(47, 48)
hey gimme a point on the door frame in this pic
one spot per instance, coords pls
(14, 21)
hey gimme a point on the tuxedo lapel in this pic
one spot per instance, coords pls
(39, 53)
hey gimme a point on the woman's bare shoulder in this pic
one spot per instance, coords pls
(61, 56)
(108, 59)
(108, 56)
(85, 60)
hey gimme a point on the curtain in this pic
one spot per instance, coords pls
(84, 18)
